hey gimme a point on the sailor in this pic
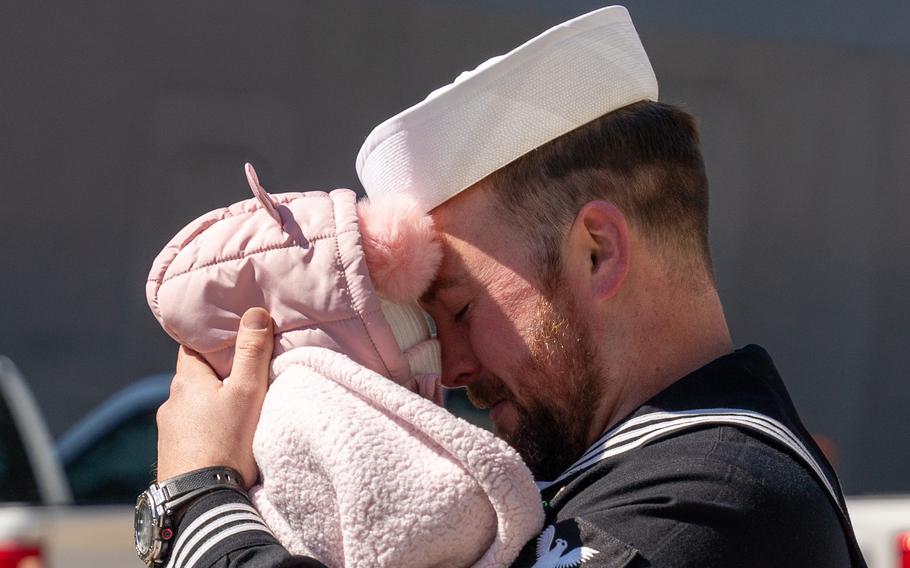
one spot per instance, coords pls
(576, 300)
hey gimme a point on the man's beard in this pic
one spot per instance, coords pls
(556, 409)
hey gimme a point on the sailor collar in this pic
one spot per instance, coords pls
(741, 389)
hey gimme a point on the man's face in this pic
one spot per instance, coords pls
(519, 345)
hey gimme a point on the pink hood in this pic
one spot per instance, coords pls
(308, 269)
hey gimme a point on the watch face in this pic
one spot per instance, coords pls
(144, 526)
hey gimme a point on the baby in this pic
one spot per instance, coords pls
(359, 465)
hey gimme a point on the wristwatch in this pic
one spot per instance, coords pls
(158, 507)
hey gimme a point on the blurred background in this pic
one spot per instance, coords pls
(123, 121)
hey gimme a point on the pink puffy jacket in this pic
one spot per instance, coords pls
(356, 470)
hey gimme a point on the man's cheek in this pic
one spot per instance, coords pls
(499, 348)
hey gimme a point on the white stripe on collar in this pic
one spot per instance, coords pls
(638, 431)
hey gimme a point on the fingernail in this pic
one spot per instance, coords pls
(255, 319)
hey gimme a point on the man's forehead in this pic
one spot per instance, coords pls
(452, 272)
(463, 215)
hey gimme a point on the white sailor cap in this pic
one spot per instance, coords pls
(511, 104)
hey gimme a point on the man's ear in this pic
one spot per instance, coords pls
(599, 247)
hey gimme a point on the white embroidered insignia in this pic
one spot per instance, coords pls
(548, 557)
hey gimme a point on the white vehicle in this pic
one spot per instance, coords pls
(882, 527)
(39, 526)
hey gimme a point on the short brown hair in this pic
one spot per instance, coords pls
(644, 158)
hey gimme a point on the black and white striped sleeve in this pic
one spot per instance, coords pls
(223, 530)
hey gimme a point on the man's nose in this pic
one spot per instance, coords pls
(460, 366)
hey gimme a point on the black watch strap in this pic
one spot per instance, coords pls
(184, 487)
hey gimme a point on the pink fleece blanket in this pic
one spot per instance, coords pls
(357, 468)
(391, 477)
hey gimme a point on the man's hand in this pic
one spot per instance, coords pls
(206, 422)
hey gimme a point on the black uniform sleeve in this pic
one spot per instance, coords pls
(714, 497)
(577, 542)
(222, 530)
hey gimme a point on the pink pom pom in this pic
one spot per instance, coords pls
(401, 248)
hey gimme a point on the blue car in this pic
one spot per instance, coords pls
(109, 455)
